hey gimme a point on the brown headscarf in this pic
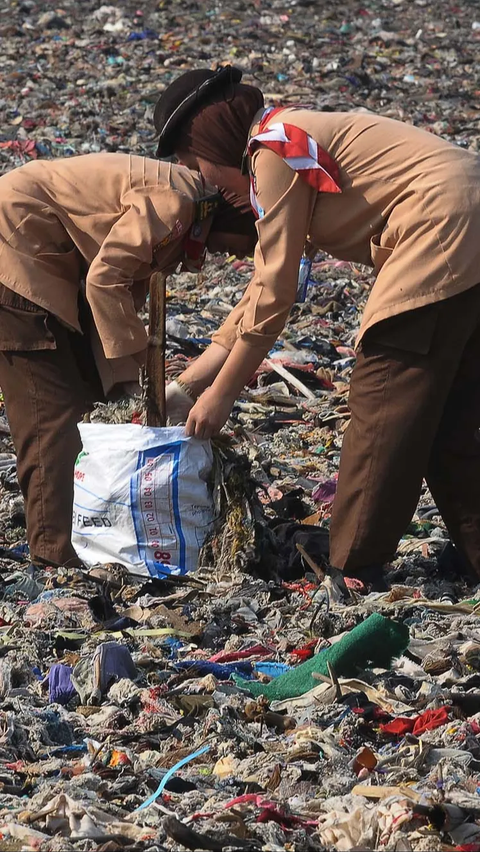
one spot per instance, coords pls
(218, 132)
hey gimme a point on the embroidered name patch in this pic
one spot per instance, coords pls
(173, 235)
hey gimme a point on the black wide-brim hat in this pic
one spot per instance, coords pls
(183, 97)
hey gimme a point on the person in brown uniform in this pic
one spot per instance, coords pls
(374, 191)
(79, 240)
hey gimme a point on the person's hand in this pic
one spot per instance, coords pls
(208, 415)
(178, 404)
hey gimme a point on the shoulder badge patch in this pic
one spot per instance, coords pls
(206, 207)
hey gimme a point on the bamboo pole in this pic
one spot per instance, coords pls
(156, 408)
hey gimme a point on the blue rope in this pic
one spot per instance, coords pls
(168, 775)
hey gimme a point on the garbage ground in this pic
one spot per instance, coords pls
(248, 705)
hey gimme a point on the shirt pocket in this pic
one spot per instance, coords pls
(60, 264)
(25, 330)
(379, 253)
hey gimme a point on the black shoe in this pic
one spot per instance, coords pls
(451, 563)
(372, 576)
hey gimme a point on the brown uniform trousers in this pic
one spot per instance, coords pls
(415, 413)
(49, 380)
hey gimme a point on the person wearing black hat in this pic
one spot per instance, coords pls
(382, 193)
(223, 142)
(185, 98)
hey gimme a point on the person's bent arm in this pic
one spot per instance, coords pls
(288, 202)
(211, 411)
(205, 368)
(151, 217)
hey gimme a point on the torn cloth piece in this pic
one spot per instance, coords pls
(374, 642)
(398, 727)
(112, 661)
(26, 147)
(325, 491)
(60, 687)
(344, 831)
(270, 813)
(417, 725)
(94, 674)
(306, 651)
(84, 820)
(232, 656)
(288, 534)
(430, 720)
(221, 671)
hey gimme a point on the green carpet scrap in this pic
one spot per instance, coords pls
(373, 643)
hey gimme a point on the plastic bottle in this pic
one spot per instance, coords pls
(303, 278)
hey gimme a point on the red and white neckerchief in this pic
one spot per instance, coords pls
(299, 151)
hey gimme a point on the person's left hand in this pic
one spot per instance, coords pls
(208, 415)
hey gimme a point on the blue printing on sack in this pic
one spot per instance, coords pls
(92, 510)
(159, 569)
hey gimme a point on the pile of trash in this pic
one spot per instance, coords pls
(256, 703)
(85, 77)
(224, 709)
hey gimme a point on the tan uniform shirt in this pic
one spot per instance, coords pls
(409, 207)
(115, 217)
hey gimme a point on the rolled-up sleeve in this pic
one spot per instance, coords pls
(152, 217)
(288, 203)
(227, 334)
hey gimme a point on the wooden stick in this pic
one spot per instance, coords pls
(156, 412)
(291, 379)
(335, 682)
(311, 563)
